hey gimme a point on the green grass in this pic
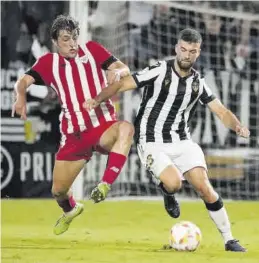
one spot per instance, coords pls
(127, 231)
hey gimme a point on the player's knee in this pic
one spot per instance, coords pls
(207, 193)
(173, 185)
(170, 176)
(126, 130)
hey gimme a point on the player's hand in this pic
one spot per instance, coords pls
(116, 74)
(242, 131)
(19, 107)
(90, 104)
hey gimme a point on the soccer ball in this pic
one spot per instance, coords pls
(185, 236)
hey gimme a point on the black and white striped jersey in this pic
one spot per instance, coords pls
(168, 102)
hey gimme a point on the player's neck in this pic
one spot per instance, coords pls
(180, 72)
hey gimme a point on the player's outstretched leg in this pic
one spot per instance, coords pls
(117, 141)
(172, 206)
(64, 175)
(214, 204)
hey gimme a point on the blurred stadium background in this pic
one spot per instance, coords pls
(139, 33)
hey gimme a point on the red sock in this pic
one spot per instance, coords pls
(114, 166)
(72, 201)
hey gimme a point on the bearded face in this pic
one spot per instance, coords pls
(186, 54)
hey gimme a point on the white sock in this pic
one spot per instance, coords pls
(220, 218)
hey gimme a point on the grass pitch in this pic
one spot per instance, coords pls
(126, 231)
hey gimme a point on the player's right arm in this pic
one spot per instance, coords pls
(20, 89)
(136, 80)
(39, 75)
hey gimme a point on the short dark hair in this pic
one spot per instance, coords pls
(190, 35)
(63, 22)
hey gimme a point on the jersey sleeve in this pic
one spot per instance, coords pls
(206, 95)
(147, 75)
(41, 71)
(102, 56)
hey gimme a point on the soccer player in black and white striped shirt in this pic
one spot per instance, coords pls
(172, 89)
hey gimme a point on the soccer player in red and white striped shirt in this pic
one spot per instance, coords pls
(77, 72)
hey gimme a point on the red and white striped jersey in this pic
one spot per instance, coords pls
(76, 80)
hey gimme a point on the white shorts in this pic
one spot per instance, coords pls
(184, 155)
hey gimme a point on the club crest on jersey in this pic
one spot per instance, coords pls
(195, 85)
(83, 59)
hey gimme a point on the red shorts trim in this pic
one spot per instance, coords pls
(80, 145)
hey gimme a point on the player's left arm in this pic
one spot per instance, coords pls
(228, 118)
(126, 83)
(225, 115)
(137, 80)
(113, 66)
